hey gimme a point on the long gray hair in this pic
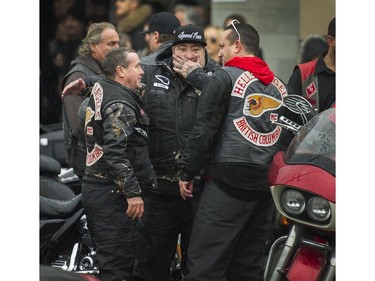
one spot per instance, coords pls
(93, 36)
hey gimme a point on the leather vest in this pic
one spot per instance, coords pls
(247, 134)
(104, 94)
(310, 86)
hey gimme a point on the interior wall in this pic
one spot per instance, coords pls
(315, 16)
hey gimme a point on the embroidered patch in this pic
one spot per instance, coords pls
(94, 155)
(242, 82)
(311, 89)
(97, 92)
(89, 114)
(89, 130)
(255, 105)
(274, 117)
(164, 82)
(255, 137)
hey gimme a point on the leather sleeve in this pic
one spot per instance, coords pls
(198, 77)
(118, 125)
(211, 108)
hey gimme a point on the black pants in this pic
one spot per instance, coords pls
(228, 237)
(165, 217)
(112, 231)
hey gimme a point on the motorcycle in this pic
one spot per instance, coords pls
(302, 182)
(65, 241)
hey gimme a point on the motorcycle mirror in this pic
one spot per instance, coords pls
(297, 104)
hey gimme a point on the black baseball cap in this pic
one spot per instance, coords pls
(189, 34)
(162, 22)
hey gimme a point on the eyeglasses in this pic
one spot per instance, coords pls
(213, 40)
(232, 23)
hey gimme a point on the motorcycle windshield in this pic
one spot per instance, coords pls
(315, 143)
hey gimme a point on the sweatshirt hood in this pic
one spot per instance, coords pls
(254, 65)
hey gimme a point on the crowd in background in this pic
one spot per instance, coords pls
(231, 177)
(64, 23)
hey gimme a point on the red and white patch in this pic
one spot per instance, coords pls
(94, 155)
(255, 105)
(274, 117)
(311, 89)
(242, 82)
(89, 131)
(97, 92)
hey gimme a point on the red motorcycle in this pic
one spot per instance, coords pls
(303, 188)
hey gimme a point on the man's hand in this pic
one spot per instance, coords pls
(135, 207)
(74, 87)
(183, 66)
(186, 189)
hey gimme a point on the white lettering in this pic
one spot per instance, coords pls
(193, 35)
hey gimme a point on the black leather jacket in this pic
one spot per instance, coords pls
(170, 102)
(116, 138)
(240, 174)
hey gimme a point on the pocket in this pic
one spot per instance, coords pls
(143, 168)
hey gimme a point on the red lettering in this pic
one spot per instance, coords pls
(238, 91)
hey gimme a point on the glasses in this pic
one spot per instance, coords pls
(232, 23)
(213, 40)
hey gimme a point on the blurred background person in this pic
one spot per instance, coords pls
(315, 80)
(130, 17)
(61, 50)
(189, 12)
(312, 47)
(159, 35)
(146, 50)
(97, 11)
(212, 34)
(56, 51)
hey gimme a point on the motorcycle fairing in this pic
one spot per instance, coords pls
(302, 177)
(308, 265)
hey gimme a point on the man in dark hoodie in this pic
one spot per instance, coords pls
(100, 39)
(234, 140)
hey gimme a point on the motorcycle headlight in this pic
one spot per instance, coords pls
(293, 202)
(318, 209)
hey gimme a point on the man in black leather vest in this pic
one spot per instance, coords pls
(118, 167)
(234, 139)
(100, 38)
(316, 80)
